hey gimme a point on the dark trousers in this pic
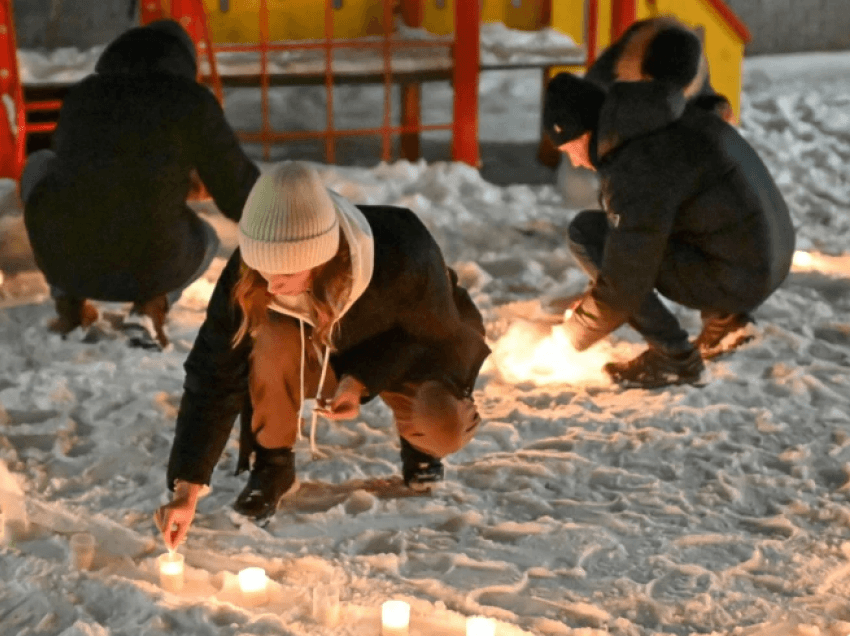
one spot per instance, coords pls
(658, 326)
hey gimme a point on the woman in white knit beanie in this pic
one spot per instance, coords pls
(331, 302)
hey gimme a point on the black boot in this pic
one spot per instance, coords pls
(657, 367)
(272, 476)
(420, 470)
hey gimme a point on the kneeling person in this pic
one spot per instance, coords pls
(327, 299)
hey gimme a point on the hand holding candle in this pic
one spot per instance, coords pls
(174, 519)
(345, 404)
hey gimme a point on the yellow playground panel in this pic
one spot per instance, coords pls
(528, 15)
(235, 21)
(725, 36)
(238, 21)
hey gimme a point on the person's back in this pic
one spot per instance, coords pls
(738, 218)
(108, 219)
(675, 174)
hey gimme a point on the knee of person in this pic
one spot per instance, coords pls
(451, 422)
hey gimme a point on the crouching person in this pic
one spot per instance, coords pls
(105, 209)
(690, 211)
(326, 299)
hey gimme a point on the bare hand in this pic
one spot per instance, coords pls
(174, 519)
(345, 404)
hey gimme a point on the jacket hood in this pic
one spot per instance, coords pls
(160, 47)
(635, 109)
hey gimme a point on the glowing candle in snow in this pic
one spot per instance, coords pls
(480, 626)
(171, 571)
(395, 618)
(803, 259)
(254, 584)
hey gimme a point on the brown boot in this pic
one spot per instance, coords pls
(72, 313)
(722, 333)
(156, 309)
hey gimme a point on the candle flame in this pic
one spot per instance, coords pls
(543, 354)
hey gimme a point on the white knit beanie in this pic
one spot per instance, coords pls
(289, 221)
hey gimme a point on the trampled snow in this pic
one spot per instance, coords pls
(579, 508)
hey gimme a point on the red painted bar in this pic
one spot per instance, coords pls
(466, 58)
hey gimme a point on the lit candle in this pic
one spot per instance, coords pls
(253, 583)
(82, 550)
(395, 618)
(171, 571)
(480, 626)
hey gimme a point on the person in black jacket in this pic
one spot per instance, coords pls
(327, 299)
(105, 210)
(690, 211)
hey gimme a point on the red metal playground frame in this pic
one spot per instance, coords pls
(464, 75)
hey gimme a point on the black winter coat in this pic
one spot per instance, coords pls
(110, 221)
(412, 323)
(687, 195)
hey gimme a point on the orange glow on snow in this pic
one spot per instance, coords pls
(542, 354)
(822, 263)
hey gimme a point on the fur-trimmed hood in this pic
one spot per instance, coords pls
(160, 47)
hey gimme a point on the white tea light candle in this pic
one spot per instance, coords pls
(395, 618)
(82, 550)
(254, 584)
(326, 604)
(480, 626)
(171, 570)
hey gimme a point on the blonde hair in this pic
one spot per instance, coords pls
(329, 289)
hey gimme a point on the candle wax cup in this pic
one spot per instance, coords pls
(82, 550)
(171, 571)
(395, 618)
(253, 584)
(326, 604)
(480, 626)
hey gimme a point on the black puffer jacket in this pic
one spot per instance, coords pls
(676, 178)
(412, 323)
(110, 221)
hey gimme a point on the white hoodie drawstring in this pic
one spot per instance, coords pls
(314, 420)
(301, 403)
(314, 416)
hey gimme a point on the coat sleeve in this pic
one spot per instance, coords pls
(215, 388)
(645, 188)
(225, 169)
(438, 335)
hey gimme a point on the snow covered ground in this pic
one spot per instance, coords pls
(580, 508)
